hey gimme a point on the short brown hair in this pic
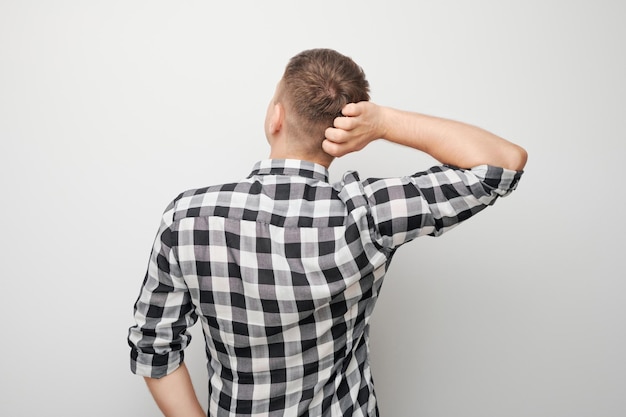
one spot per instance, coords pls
(317, 84)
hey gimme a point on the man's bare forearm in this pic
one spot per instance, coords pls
(452, 142)
(174, 394)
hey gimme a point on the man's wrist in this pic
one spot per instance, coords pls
(383, 124)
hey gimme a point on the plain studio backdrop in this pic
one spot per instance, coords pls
(109, 109)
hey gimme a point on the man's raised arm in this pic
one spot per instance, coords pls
(448, 141)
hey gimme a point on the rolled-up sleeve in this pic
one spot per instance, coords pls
(433, 201)
(163, 310)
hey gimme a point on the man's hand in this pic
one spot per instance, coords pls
(362, 123)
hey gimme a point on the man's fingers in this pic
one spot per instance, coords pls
(350, 132)
(344, 123)
(351, 109)
(334, 149)
(335, 135)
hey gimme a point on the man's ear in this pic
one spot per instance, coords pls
(277, 118)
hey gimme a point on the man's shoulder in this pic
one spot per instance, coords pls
(240, 186)
(196, 201)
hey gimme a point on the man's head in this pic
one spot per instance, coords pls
(315, 86)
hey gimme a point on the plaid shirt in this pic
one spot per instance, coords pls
(283, 269)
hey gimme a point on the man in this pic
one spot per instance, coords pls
(283, 269)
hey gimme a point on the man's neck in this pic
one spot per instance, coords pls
(284, 145)
(323, 160)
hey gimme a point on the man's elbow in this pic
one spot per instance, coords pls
(516, 158)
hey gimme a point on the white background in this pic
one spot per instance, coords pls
(109, 109)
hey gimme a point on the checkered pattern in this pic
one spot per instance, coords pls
(283, 269)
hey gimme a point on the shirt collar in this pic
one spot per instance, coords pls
(296, 167)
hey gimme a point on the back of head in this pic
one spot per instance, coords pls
(316, 85)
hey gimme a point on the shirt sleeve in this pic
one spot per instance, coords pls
(163, 310)
(434, 201)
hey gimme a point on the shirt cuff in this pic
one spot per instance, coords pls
(155, 365)
(498, 181)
